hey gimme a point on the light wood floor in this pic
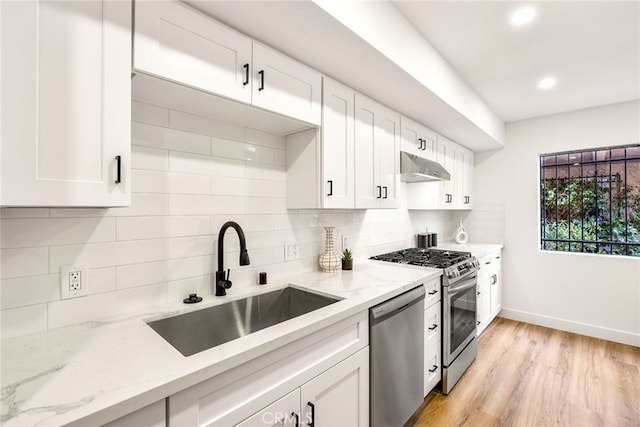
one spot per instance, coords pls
(527, 375)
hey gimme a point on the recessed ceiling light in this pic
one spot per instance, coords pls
(547, 83)
(523, 16)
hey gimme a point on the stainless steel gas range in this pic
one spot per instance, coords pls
(459, 282)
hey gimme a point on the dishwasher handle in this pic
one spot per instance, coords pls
(397, 304)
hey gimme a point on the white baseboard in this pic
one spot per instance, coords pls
(575, 327)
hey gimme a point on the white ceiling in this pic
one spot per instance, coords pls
(592, 48)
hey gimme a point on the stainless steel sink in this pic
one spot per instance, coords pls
(193, 332)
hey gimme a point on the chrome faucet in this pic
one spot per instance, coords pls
(222, 282)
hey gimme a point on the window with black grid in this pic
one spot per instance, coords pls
(590, 201)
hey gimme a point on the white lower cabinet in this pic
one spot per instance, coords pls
(432, 335)
(489, 294)
(323, 377)
(150, 416)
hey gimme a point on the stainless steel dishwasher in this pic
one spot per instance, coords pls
(397, 358)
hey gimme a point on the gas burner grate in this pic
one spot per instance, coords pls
(437, 258)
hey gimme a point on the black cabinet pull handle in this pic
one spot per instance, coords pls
(433, 327)
(246, 75)
(379, 189)
(433, 292)
(313, 414)
(118, 170)
(261, 74)
(420, 142)
(330, 188)
(385, 192)
(434, 368)
(297, 417)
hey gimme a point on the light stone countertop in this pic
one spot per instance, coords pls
(95, 372)
(477, 249)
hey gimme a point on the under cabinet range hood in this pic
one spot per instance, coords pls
(418, 169)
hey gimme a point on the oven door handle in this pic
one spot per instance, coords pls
(468, 284)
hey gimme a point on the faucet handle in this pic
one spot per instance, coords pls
(226, 282)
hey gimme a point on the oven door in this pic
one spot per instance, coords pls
(459, 317)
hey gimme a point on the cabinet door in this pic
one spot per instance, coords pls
(387, 153)
(432, 325)
(368, 191)
(337, 145)
(446, 156)
(411, 134)
(464, 178)
(484, 294)
(285, 86)
(432, 367)
(496, 284)
(66, 83)
(153, 415)
(173, 41)
(339, 396)
(282, 412)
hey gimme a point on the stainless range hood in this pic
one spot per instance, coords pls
(418, 169)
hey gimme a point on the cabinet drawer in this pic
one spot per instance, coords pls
(432, 367)
(434, 292)
(432, 325)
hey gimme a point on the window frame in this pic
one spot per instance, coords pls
(601, 245)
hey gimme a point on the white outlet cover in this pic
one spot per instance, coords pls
(291, 251)
(80, 287)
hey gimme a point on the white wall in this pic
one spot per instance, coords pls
(189, 176)
(590, 294)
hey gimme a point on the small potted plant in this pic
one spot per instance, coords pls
(347, 260)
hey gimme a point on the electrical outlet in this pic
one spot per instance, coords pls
(345, 242)
(291, 251)
(74, 281)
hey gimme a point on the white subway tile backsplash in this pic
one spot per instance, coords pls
(109, 254)
(189, 176)
(258, 137)
(29, 232)
(135, 275)
(30, 290)
(102, 280)
(266, 172)
(148, 181)
(182, 247)
(135, 228)
(191, 123)
(23, 320)
(24, 262)
(149, 158)
(266, 205)
(169, 139)
(151, 114)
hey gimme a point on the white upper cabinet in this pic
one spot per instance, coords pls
(180, 44)
(285, 86)
(446, 156)
(338, 145)
(464, 178)
(377, 141)
(417, 139)
(454, 194)
(320, 163)
(66, 100)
